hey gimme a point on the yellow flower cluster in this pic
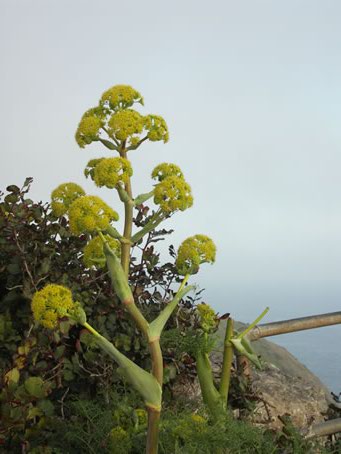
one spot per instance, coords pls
(115, 116)
(172, 194)
(189, 427)
(166, 170)
(89, 127)
(118, 434)
(121, 97)
(110, 172)
(192, 252)
(208, 318)
(141, 416)
(89, 213)
(50, 304)
(63, 196)
(90, 167)
(157, 128)
(126, 124)
(198, 419)
(94, 253)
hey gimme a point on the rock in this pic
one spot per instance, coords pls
(282, 394)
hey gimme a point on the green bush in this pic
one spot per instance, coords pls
(44, 370)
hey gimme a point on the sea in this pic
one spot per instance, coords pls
(319, 350)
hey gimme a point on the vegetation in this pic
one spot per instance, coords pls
(73, 287)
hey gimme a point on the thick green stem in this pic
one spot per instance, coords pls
(141, 380)
(153, 431)
(211, 397)
(227, 362)
(157, 325)
(128, 222)
(121, 286)
(157, 360)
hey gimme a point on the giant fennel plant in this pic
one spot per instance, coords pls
(121, 129)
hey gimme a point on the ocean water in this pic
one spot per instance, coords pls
(319, 350)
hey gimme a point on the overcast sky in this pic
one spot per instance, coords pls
(251, 94)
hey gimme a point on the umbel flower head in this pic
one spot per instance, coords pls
(172, 194)
(166, 170)
(89, 127)
(94, 252)
(89, 170)
(194, 251)
(63, 196)
(54, 302)
(157, 128)
(121, 97)
(208, 318)
(110, 172)
(115, 117)
(89, 213)
(126, 124)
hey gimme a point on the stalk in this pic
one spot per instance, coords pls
(128, 221)
(227, 362)
(154, 345)
(154, 413)
(157, 360)
(210, 394)
(153, 430)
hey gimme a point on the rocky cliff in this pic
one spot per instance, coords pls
(285, 386)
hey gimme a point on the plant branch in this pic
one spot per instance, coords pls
(154, 221)
(128, 220)
(227, 362)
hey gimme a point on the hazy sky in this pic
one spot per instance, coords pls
(251, 94)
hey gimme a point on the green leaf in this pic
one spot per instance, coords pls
(36, 387)
(28, 181)
(33, 412)
(11, 198)
(12, 376)
(45, 265)
(13, 188)
(46, 406)
(65, 326)
(14, 268)
(59, 352)
(68, 375)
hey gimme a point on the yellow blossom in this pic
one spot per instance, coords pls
(90, 167)
(94, 253)
(111, 171)
(165, 170)
(141, 416)
(63, 196)
(193, 252)
(172, 194)
(126, 124)
(157, 128)
(121, 97)
(89, 127)
(50, 303)
(208, 318)
(89, 213)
